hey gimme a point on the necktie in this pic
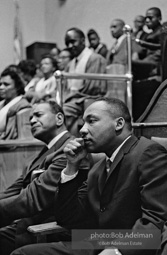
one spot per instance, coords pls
(108, 165)
(113, 51)
(76, 62)
(114, 48)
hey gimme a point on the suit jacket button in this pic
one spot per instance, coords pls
(102, 209)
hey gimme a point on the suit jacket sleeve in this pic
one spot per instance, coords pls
(13, 189)
(38, 195)
(95, 64)
(152, 184)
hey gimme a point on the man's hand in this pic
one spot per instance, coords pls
(75, 151)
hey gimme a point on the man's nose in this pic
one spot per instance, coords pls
(33, 120)
(2, 86)
(70, 45)
(83, 131)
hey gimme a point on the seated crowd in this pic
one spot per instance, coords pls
(124, 191)
(39, 82)
(93, 173)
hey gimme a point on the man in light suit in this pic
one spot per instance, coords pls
(33, 194)
(118, 52)
(78, 90)
(117, 60)
(127, 195)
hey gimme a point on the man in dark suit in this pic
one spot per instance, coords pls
(140, 34)
(33, 193)
(126, 194)
(150, 64)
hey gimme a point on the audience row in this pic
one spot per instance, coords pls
(39, 81)
(123, 190)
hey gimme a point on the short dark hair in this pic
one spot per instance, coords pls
(47, 55)
(28, 67)
(92, 31)
(78, 31)
(120, 109)
(156, 10)
(19, 85)
(55, 107)
(121, 21)
(58, 50)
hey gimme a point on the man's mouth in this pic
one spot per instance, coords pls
(86, 140)
(34, 128)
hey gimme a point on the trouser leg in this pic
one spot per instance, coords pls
(59, 248)
(7, 239)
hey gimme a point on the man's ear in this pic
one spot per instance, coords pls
(59, 119)
(120, 122)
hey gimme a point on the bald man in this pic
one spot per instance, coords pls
(118, 52)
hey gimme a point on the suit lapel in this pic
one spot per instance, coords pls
(115, 163)
(124, 150)
(102, 175)
(44, 153)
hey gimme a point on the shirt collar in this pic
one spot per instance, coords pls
(55, 139)
(81, 54)
(120, 39)
(117, 150)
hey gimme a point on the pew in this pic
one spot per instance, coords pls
(14, 155)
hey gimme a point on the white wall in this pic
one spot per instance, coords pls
(96, 14)
(47, 20)
(32, 23)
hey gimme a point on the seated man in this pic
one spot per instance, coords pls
(118, 53)
(150, 64)
(140, 34)
(117, 60)
(34, 192)
(84, 61)
(124, 190)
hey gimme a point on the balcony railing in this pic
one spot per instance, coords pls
(125, 77)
